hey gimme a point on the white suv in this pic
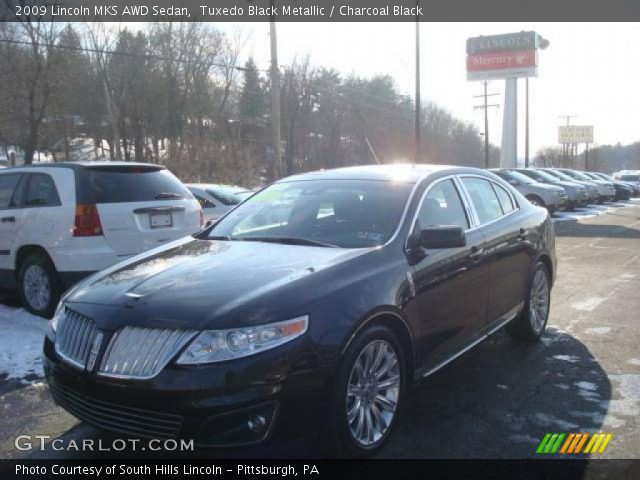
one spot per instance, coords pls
(64, 221)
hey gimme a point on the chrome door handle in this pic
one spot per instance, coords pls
(476, 252)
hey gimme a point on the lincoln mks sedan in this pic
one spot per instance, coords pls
(323, 298)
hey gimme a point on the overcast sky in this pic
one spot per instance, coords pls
(591, 70)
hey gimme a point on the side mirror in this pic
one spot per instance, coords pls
(446, 236)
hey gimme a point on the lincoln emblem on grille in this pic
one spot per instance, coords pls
(95, 348)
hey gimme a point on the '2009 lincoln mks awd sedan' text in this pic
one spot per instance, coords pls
(326, 295)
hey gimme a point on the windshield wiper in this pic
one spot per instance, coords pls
(162, 195)
(287, 241)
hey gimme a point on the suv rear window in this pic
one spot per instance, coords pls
(130, 184)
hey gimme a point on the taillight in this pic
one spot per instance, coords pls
(201, 217)
(87, 222)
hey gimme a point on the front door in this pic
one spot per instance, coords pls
(450, 284)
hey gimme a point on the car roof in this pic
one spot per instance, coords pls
(83, 164)
(411, 173)
(216, 185)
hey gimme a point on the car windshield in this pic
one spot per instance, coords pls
(520, 177)
(560, 175)
(541, 176)
(630, 178)
(576, 175)
(341, 213)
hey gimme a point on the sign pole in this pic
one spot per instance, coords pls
(509, 151)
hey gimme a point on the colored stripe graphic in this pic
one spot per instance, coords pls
(573, 443)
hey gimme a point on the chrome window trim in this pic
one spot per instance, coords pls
(463, 199)
(482, 225)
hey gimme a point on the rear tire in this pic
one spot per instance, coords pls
(39, 285)
(367, 396)
(537, 201)
(532, 321)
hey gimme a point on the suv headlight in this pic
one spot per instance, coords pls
(212, 346)
(56, 316)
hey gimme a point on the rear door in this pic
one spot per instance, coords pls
(140, 206)
(9, 217)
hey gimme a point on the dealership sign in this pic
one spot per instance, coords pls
(502, 56)
(575, 134)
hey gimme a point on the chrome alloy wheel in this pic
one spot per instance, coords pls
(539, 301)
(373, 392)
(37, 288)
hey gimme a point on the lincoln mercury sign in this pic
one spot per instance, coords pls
(511, 55)
(575, 134)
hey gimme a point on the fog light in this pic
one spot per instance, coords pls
(256, 423)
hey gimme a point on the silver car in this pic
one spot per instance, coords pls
(606, 190)
(216, 200)
(577, 193)
(549, 196)
(592, 188)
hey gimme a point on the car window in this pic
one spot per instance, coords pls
(204, 203)
(345, 213)
(131, 184)
(7, 186)
(505, 199)
(443, 206)
(41, 191)
(484, 198)
(226, 196)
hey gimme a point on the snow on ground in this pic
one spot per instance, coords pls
(591, 211)
(21, 338)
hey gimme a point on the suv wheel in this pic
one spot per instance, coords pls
(531, 323)
(39, 285)
(369, 390)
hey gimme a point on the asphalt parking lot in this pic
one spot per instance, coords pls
(496, 401)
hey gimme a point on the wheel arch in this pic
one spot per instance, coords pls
(545, 259)
(26, 250)
(394, 321)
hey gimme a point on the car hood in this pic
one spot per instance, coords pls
(550, 188)
(565, 183)
(203, 279)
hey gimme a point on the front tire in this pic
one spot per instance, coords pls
(368, 391)
(532, 321)
(39, 285)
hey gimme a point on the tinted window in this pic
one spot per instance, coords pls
(131, 184)
(41, 191)
(484, 198)
(7, 186)
(505, 199)
(442, 206)
(630, 178)
(227, 196)
(346, 213)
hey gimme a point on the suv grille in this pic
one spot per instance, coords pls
(74, 336)
(117, 418)
(135, 352)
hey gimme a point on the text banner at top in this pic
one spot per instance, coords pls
(316, 10)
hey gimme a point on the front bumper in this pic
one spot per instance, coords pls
(226, 404)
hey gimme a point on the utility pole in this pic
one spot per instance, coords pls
(486, 107)
(418, 107)
(567, 149)
(275, 100)
(526, 125)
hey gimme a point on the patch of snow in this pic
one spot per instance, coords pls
(589, 304)
(634, 361)
(549, 420)
(21, 338)
(598, 330)
(586, 386)
(567, 358)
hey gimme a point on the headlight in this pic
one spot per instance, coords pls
(56, 316)
(212, 346)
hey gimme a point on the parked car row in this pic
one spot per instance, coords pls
(565, 188)
(61, 222)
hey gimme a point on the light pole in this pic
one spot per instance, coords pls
(275, 99)
(417, 121)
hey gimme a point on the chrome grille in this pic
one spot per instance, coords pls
(73, 337)
(135, 352)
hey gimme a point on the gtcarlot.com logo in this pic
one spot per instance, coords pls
(574, 443)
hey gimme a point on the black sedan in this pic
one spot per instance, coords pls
(323, 297)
